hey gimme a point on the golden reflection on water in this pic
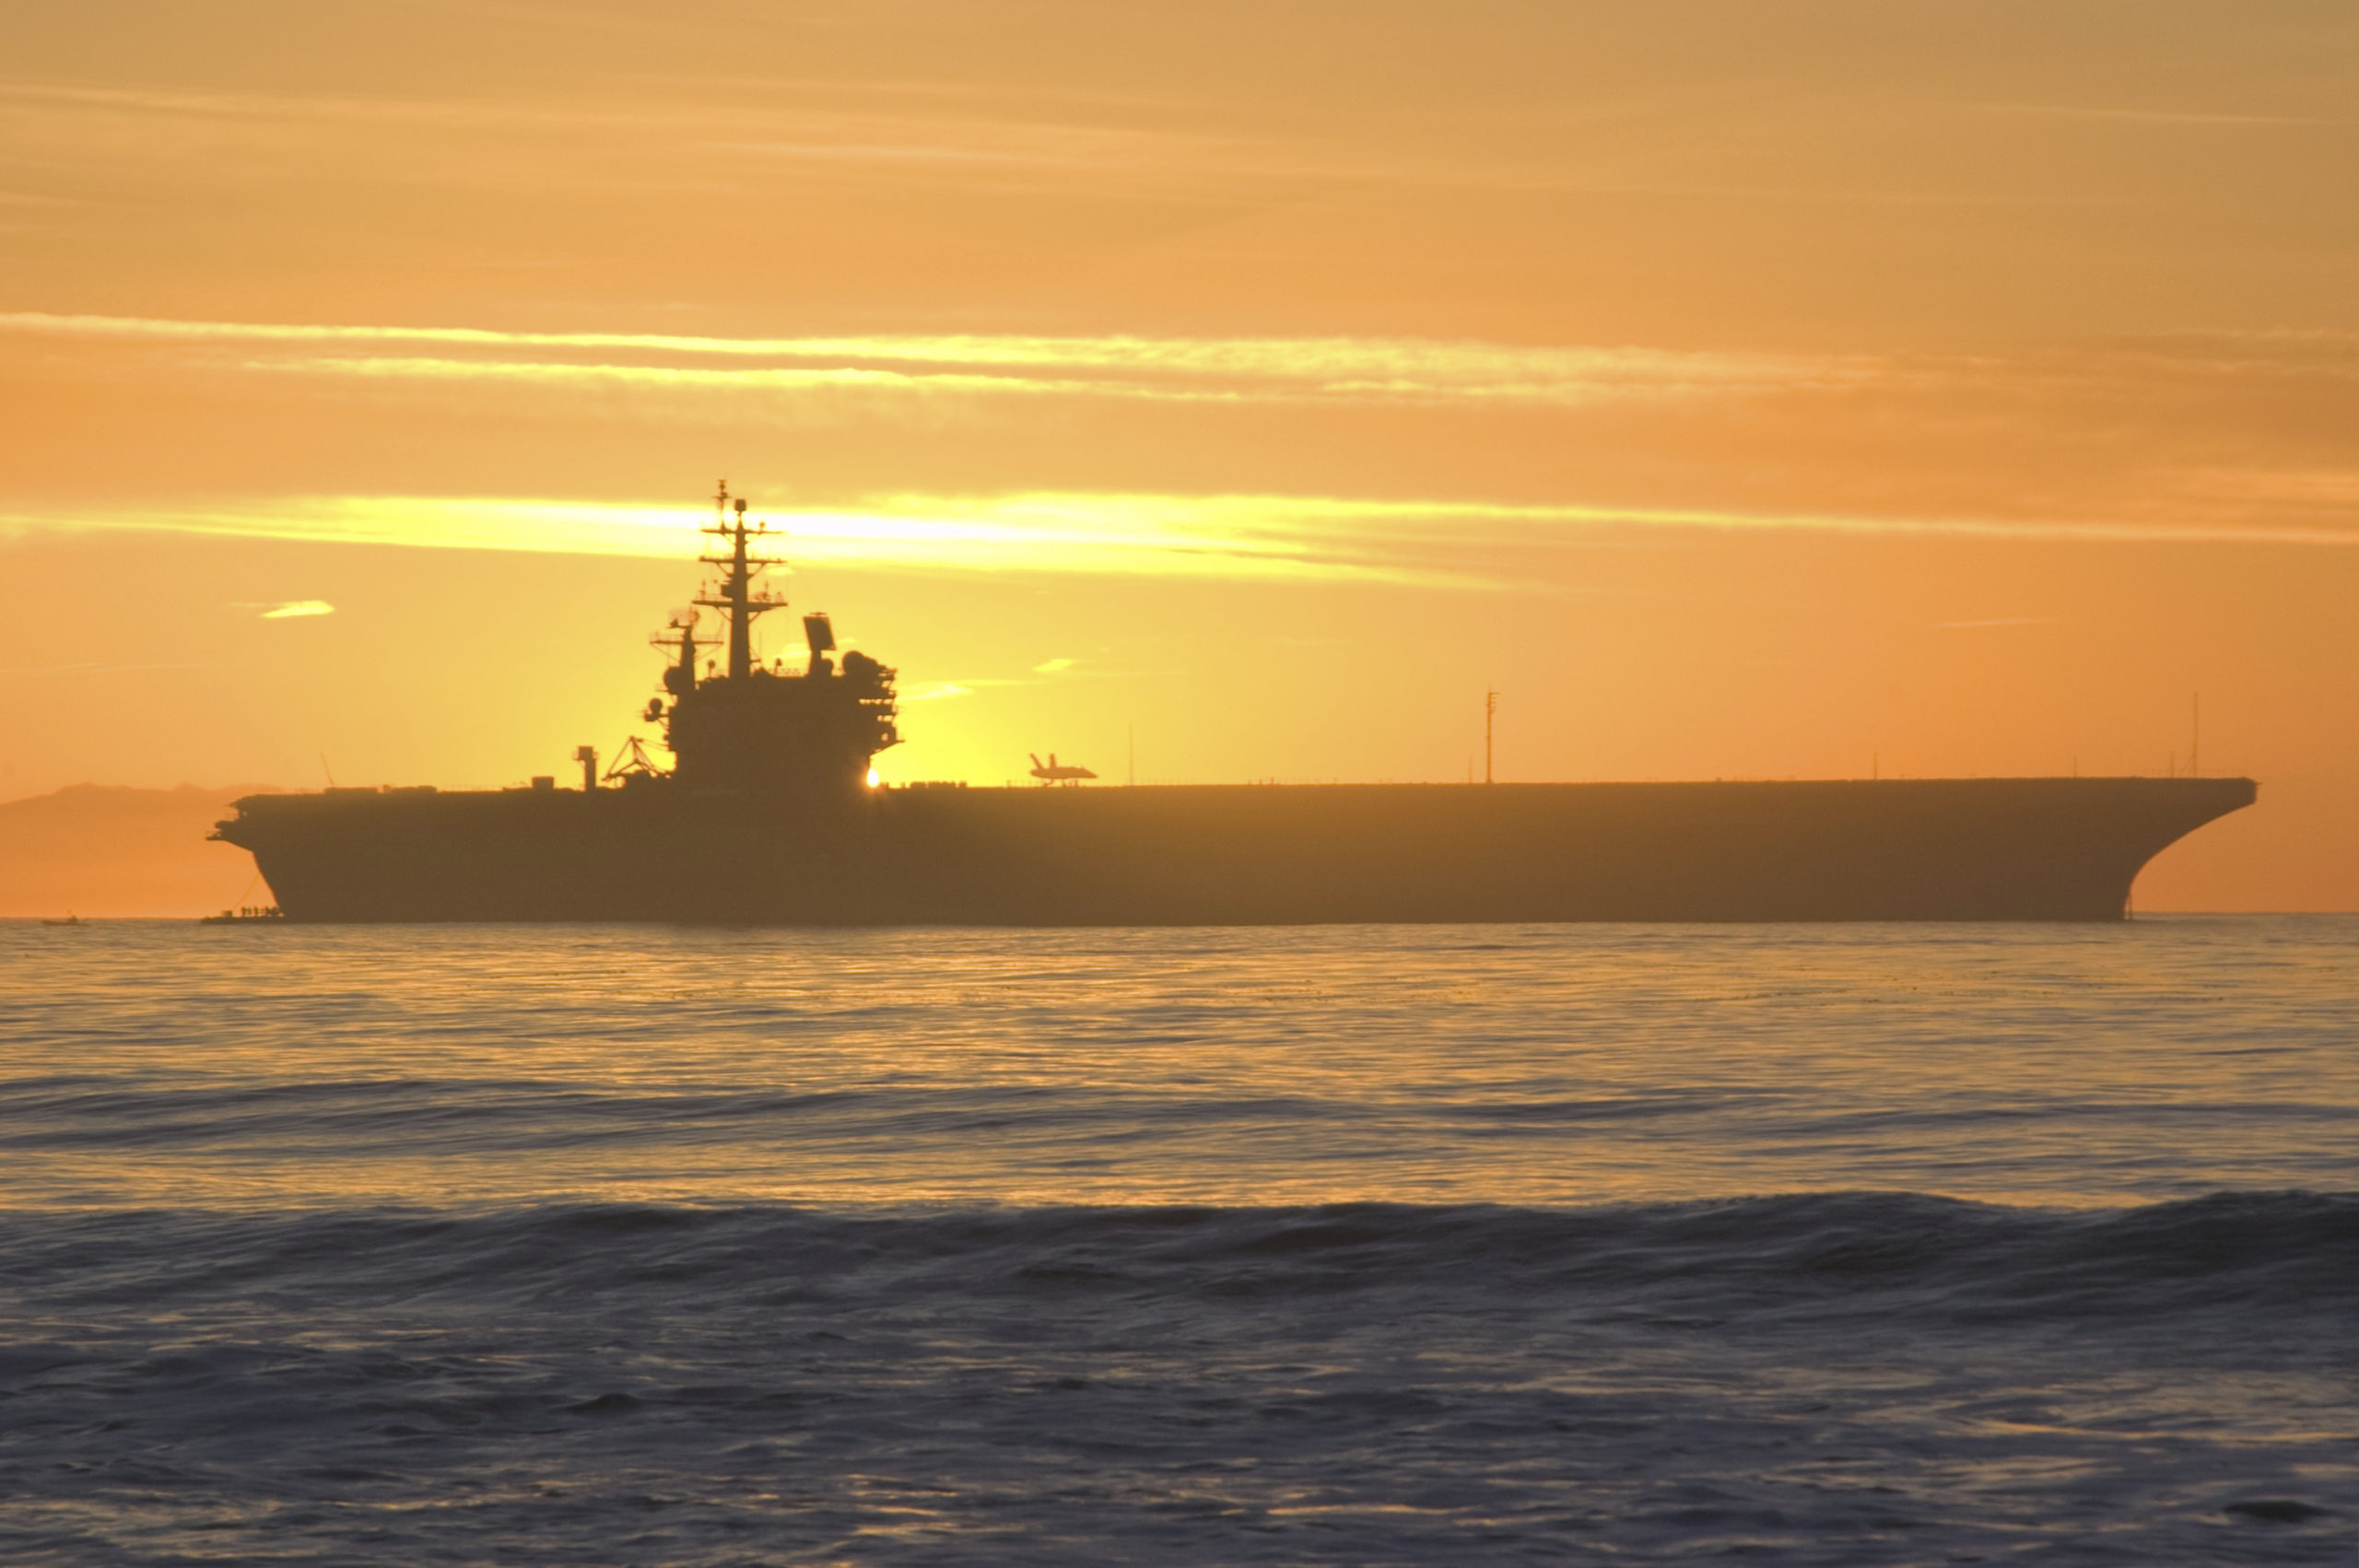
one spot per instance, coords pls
(171, 1064)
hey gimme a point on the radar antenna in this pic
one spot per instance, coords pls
(735, 596)
(679, 639)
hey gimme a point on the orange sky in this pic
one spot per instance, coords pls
(1744, 389)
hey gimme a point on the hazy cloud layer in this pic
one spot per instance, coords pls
(2180, 436)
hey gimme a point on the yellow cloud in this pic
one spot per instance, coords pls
(1219, 537)
(1280, 538)
(294, 608)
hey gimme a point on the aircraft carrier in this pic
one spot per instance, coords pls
(768, 813)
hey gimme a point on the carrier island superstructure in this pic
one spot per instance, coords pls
(770, 813)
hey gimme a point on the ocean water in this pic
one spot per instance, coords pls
(1394, 1245)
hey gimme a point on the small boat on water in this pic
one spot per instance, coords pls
(242, 915)
(71, 919)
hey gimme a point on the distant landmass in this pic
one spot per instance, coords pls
(110, 849)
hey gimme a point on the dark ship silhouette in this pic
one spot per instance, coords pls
(770, 813)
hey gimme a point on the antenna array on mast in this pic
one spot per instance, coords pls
(735, 596)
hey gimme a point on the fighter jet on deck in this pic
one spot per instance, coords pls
(1053, 774)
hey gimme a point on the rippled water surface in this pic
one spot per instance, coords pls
(1850, 1244)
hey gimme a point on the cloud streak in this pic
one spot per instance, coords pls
(1997, 621)
(1223, 537)
(1119, 366)
(90, 669)
(2156, 116)
(1460, 546)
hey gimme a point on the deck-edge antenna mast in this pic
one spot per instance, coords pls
(736, 597)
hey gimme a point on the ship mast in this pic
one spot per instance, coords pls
(735, 596)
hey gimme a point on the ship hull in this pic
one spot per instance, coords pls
(1919, 849)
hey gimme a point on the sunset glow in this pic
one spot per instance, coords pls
(1422, 782)
(1806, 395)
